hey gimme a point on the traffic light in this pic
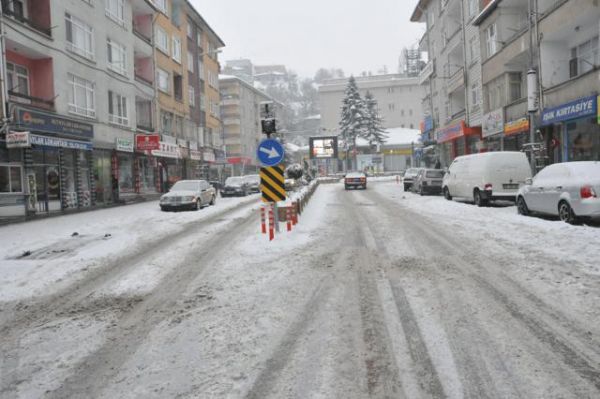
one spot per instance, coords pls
(267, 117)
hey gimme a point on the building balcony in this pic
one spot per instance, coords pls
(35, 16)
(231, 121)
(456, 80)
(426, 72)
(142, 13)
(230, 101)
(516, 110)
(32, 101)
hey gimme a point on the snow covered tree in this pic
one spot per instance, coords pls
(353, 115)
(374, 132)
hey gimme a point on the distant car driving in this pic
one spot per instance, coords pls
(253, 182)
(428, 181)
(409, 177)
(234, 187)
(188, 194)
(569, 190)
(355, 180)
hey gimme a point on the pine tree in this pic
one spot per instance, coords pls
(353, 115)
(374, 132)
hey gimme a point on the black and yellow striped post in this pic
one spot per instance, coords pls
(272, 183)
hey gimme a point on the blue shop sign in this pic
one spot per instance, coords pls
(62, 143)
(427, 124)
(49, 123)
(586, 106)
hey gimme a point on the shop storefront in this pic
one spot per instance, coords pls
(57, 161)
(516, 134)
(170, 165)
(457, 139)
(572, 130)
(12, 179)
(492, 128)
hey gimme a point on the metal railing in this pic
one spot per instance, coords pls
(18, 17)
(31, 100)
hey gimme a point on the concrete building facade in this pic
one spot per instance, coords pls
(395, 95)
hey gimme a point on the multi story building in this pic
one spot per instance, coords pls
(242, 68)
(395, 95)
(81, 88)
(451, 79)
(240, 109)
(566, 56)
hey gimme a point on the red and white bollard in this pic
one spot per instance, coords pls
(397, 179)
(263, 220)
(294, 213)
(271, 223)
(288, 217)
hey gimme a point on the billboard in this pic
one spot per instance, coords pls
(323, 147)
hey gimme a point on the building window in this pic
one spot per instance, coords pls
(199, 38)
(410, 112)
(161, 5)
(18, 79)
(117, 57)
(213, 80)
(491, 40)
(200, 68)
(114, 10)
(190, 30)
(81, 97)
(202, 102)
(178, 87)
(390, 90)
(11, 179)
(584, 57)
(402, 112)
(162, 40)
(192, 95)
(514, 86)
(190, 61)
(475, 95)
(80, 37)
(391, 107)
(143, 113)
(18, 8)
(117, 109)
(472, 7)
(472, 49)
(176, 53)
(166, 122)
(412, 126)
(162, 77)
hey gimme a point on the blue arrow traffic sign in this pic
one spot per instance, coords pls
(270, 152)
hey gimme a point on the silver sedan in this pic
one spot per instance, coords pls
(569, 190)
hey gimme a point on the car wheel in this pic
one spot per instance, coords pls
(447, 194)
(198, 205)
(522, 207)
(478, 199)
(406, 187)
(421, 191)
(213, 200)
(565, 213)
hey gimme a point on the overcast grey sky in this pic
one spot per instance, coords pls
(304, 35)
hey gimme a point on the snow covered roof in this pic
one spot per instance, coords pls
(398, 136)
(315, 117)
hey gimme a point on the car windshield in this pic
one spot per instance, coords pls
(252, 179)
(234, 181)
(185, 186)
(435, 174)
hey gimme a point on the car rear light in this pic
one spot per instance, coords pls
(587, 192)
(488, 187)
(362, 179)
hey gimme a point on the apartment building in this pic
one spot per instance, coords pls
(451, 80)
(75, 73)
(566, 56)
(240, 109)
(395, 95)
(84, 116)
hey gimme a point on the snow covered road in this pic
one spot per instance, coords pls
(376, 293)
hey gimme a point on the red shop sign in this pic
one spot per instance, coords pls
(147, 142)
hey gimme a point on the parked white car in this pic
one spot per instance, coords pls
(568, 190)
(486, 177)
(188, 194)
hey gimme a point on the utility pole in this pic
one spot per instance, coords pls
(532, 88)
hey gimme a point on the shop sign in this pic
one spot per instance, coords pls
(43, 122)
(193, 145)
(220, 157)
(575, 109)
(404, 151)
(450, 132)
(18, 140)
(196, 155)
(493, 123)
(208, 156)
(62, 143)
(518, 126)
(427, 124)
(598, 102)
(125, 145)
(147, 142)
(167, 150)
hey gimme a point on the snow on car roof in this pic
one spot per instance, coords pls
(584, 169)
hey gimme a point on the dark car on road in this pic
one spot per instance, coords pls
(235, 186)
(428, 181)
(355, 180)
(188, 194)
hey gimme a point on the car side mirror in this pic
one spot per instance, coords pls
(529, 181)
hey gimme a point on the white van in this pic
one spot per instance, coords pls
(486, 176)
